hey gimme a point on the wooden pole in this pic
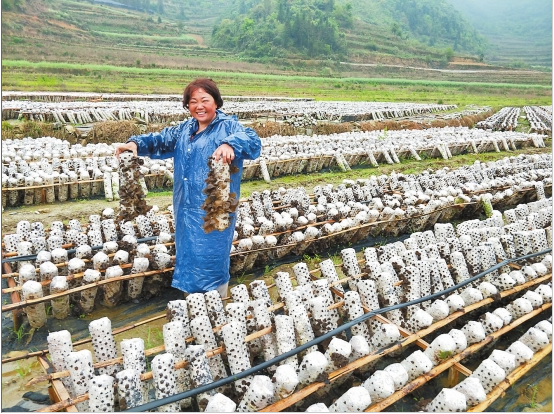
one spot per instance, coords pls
(57, 391)
(17, 314)
(23, 303)
(86, 340)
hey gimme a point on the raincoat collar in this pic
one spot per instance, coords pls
(219, 116)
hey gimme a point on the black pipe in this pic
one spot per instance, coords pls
(224, 381)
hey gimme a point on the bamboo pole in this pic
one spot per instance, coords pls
(28, 302)
(64, 404)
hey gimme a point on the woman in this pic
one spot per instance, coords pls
(202, 259)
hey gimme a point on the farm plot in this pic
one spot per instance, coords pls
(303, 340)
(44, 170)
(306, 154)
(273, 224)
(503, 120)
(120, 97)
(540, 118)
(167, 111)
(110, 251)
(292, 354)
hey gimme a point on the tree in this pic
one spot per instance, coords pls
(396, 30)
(285, 27)
(449, 53)
(10, 5)
(160, 7)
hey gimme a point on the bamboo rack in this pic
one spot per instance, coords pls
(23, 303)
(511, 379)
(33, 187)
(418, 382)
(37, 269)
(333, 376)
(409, 338)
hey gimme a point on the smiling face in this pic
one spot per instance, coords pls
(202, 107)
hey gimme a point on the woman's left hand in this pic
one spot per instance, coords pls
(224, 152)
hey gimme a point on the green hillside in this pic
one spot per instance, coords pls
(337, 38)
(430, 22)
(519, 32)
(429, 30)
(143, 30)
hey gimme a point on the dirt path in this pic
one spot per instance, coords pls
(198, 38)
(519, 72)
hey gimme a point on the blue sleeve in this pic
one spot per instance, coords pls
(158, 145)
(245, 142)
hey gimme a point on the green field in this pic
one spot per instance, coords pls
(50, 76)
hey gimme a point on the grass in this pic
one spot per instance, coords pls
(23, 370)
(445, 354)
(184, 38)
(55, 76)
(335, 258)
(160, 193)
(244, 277)
(154, 338)
(19, 333)
(533, 390)
(311, 261)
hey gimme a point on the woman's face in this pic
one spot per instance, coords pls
(202, 107)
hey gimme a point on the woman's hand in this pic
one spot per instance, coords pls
(224, 152)
(129, 146)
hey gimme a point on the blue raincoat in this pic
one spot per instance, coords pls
(202, 260)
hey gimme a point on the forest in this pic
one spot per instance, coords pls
(313, 28)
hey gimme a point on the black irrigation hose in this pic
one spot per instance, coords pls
(204, 388)
(34, 256)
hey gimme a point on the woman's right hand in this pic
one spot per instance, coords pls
(129, 146)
